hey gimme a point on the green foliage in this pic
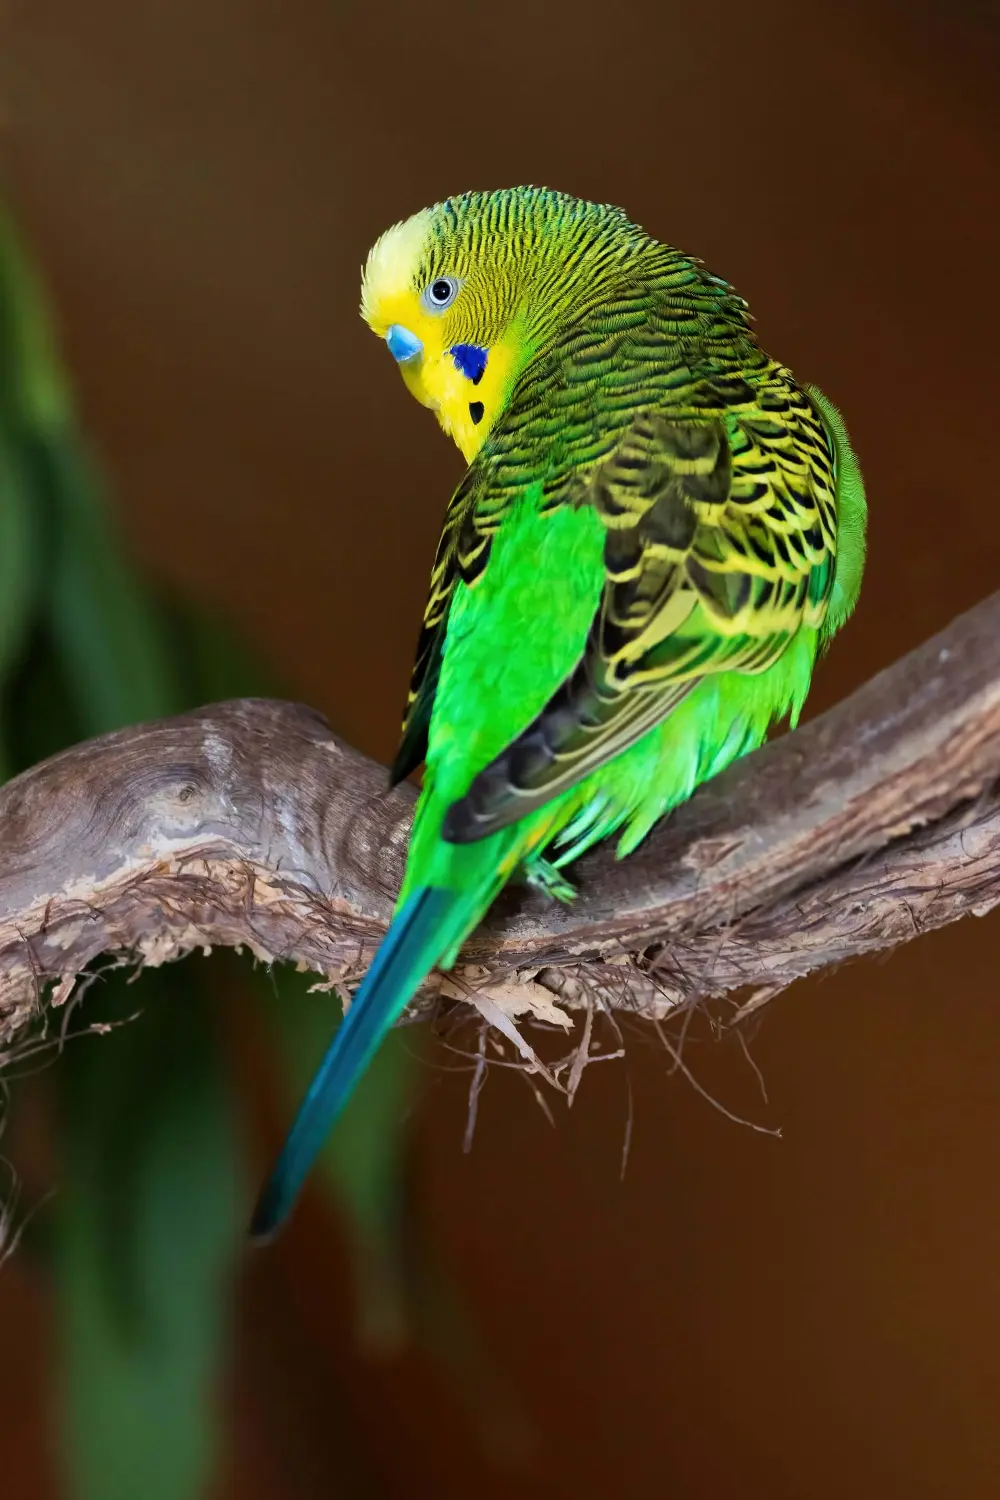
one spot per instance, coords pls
(149, 1216)
(147, 1222)
(20, 560)
(405, 1293)
(149, 1213)
(106, 628)
(364, 1158)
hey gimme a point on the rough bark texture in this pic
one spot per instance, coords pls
(250, 824)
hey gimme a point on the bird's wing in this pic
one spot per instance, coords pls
(549, 434)
(427, 664)
(718, 499)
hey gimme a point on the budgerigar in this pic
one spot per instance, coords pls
(658, 530)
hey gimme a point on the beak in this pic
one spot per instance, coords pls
(403, 345)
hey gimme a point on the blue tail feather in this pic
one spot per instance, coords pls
(412, 946)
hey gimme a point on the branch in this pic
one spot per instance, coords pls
(249, 824)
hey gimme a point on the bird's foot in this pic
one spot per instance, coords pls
(545, 877)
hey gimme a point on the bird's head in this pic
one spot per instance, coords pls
(465, 293)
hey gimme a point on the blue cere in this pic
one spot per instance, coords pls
(470, 360)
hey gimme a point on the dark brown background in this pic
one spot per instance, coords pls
(741, 1315)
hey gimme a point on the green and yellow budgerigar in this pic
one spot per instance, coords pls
(658, 531)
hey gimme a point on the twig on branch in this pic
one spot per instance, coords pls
(249, 824)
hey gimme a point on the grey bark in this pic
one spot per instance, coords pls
(250, 824)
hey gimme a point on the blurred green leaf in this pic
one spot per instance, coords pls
(34, 395)
(105, 625)
(217, 661)
(406, 1293)
(19, 556)
(38, 713)
(20, 560)
(148, 1224)
(365, 1157)
(149, 1219)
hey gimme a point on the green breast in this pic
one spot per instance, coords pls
(514, 635)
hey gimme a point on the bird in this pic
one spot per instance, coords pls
(658, 532)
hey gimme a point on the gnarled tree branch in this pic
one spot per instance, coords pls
(250, 824)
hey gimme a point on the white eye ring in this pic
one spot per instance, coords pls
(440, 293)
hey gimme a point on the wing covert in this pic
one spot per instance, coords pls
(720, 543)
(713, 475)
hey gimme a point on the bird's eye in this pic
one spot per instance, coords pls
(441, 293)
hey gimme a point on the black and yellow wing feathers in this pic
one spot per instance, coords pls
(713, 475)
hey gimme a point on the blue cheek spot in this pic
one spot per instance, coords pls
(470, 360)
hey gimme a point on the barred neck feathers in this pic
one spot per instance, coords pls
(524, 265)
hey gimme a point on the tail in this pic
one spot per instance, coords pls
(429, 923)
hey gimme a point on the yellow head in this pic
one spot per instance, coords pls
(464, 293)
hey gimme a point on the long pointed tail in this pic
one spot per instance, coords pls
(428, 924)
